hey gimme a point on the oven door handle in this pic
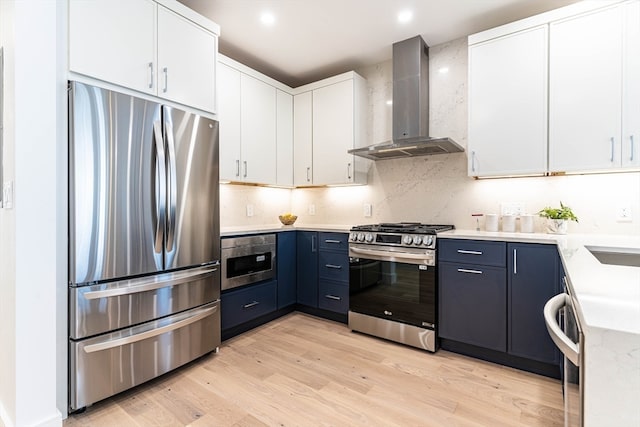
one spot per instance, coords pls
(393, 256)
(564, 343)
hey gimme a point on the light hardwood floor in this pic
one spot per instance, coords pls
(304, 371)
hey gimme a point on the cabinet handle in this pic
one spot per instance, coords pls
(313, 243)
(245, 168)
(631, 157)
(165, 70)
(251, 304)
(333, 297)
(238, 168)
(349, 171)
(515, 261)
(464, 270)
(473, 161)
(308, 178)
(337, 267)
(332, 241)
(463, 251)
(613, 142)
(151, 77)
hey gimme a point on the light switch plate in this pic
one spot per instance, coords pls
(366, 210)
(312, 209)
(249, 209)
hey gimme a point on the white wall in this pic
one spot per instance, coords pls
(436, 189)
(35, 140)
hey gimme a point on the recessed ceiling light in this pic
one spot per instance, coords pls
(268, 18)
(405, 16)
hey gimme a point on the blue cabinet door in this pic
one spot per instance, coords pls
(473, 303)
(533, 280)
(286, 268)
(307, 267)
(247, 303)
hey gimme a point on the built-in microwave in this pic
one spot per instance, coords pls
(247, 259)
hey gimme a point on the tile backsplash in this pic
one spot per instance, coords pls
(436, 189)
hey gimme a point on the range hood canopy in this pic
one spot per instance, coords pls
(410, 125)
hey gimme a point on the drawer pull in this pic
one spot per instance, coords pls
(464, 270)
(333, 297)
(332, 241)
(463, 251)
(337, 267)
(251, 304)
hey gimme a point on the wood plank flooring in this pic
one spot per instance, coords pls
(300, 370)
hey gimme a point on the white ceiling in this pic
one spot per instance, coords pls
(314, 39)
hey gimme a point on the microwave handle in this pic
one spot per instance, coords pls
(564, 343)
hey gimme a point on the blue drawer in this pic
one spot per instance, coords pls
(241, 305)
(473, 252)
(333, 296)
(334, 241)
(333, 266)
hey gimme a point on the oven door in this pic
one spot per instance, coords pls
(396, 286)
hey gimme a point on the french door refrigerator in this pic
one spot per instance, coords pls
(144, 251)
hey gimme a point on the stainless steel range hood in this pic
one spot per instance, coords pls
(410, 108)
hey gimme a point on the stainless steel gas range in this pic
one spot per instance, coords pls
(393, 282)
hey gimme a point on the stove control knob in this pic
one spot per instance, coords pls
(369, 237)
(407, 240)
(353, 237)
(428, 240)
(417, 240)
(360, 237)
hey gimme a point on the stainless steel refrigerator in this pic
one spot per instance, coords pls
(144, 241)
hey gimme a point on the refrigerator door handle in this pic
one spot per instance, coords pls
(106, 345)
(172, 192)
(146, 284)
(161, 189)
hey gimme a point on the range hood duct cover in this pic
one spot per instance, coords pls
(410, 125)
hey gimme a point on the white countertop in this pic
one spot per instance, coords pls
(276, 228)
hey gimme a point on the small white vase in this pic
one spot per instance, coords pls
(557, 226)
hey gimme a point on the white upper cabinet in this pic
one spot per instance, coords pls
(229, 117)
(113, 46)
(508, 104)
(329, 120)
(585, 104)
(257, 130)
(303, 139)
(144, 46)
(284, 138)
(187, 56)
(631, 87)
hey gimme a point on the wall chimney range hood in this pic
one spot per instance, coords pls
(410, 126)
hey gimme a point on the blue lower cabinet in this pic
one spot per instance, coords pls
(286, 268)
(307, 268)
(333, 296)
(242, 305)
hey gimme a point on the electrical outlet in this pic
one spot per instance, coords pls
(624, 214)
(512, 208)
(366, 210)
(249, 209)
(312, 209)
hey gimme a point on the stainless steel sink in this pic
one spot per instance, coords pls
(616, 256)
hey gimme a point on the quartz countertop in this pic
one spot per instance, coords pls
(276, 228)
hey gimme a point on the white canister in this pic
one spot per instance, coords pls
(526, 223)
(491, 222)
(509, 223)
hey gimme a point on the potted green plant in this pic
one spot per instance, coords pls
(558, 218)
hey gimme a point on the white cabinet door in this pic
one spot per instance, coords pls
(585, 73)
(187, 56)
(229, 118)
(284, 138)
(333, 133)
(303, 139)
(631, 87)
(258, 130)
(508, 105)
(114, 41)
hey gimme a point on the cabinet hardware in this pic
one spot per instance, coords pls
(464, 270)
(337, 267)
(245, 168)
(313, 243)
(333, 297)
(348, 170)
(308, 178)
(151, 72)
(165, 70)
(613, 142)
(462, 251)
(631, 157)
(251, 304)
(515, 261)
(473, 161)
(332, 241)
(237, 168)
